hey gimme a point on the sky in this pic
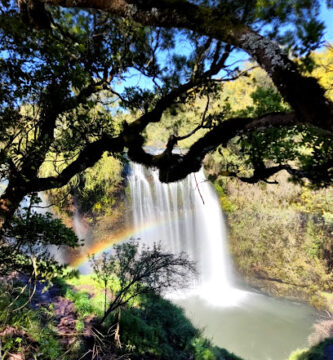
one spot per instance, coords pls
(326, 15)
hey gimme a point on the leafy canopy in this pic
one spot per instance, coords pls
(80, 83)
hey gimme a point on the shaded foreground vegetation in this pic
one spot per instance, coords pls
(149, 327)
(322, 351)
(60, 323)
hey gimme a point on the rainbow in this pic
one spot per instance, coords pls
(106, 243)
(103, 244)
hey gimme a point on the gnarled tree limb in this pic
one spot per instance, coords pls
(304, 94)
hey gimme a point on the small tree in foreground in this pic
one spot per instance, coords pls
(31, 240)
(130, 271)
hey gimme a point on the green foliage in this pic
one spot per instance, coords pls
(159, 329)
(323, 69)
(81, 300)
(265, 100)
(95, 192)
(43, 228)
(29, 238)
(316, 352)
(79, 326)
(203, 350)
(316, 241)
(26, 327)
(86, 294)
(272, 145)
(100, 185)
(296, 355)
(318, 301)
(305, 147)
(104, 273)
(226, 204)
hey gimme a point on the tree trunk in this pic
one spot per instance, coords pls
(9, 202)
(304, 94)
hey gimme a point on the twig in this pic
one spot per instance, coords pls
(34, 265)
(197, 186)
(88, 352)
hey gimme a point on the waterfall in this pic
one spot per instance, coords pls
(186, 217)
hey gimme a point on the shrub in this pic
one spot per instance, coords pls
(314, 353)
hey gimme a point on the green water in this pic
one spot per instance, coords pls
(259, 328)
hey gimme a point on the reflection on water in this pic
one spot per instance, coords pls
(260, 328)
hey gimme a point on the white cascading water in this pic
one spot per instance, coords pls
(186, 216)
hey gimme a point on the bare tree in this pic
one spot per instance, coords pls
(131, 271)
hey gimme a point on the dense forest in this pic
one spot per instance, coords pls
(87, 87)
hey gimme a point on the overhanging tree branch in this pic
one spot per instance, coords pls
(172, 166)
(205, 25)
(303, 93)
